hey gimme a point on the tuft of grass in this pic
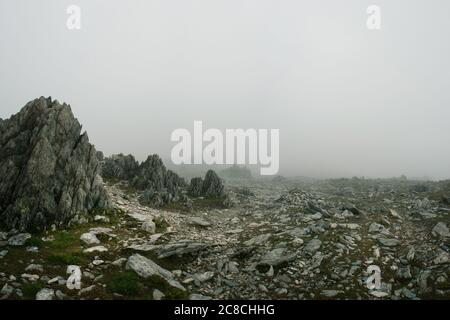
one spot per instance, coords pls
(125, 283)
(130, 285)
(161, 224)
(29, 290)
(35, 241)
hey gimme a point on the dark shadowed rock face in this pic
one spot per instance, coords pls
(212, 185)
(196, 186)
(120, 167)
(49, 172)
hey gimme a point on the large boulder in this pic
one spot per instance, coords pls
(146, 268)
(49, 171)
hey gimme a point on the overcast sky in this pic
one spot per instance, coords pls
(347, 100)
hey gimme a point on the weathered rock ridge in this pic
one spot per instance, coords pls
(49, 171)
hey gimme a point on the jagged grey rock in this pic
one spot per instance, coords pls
(313, 245)
(276, 257)
(158, 295)
(195, 187)
(89, 238)
(212, 185)
(152, 174)
(6, 290)
(258, 240)
(376, 228)
(35, 268)
(149, 226)
(49, 171)
(197, 296)
(119, 166)
(203, 277)
(45, 294)
(180, 248)
(199, 222)
(19, 239)
(160, 185)
(146, 268)
(388, 242)
(441, 229)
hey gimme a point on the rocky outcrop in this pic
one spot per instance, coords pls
(160, 185)
(119, 166)
(49, 171)
(212, 185)
(196, 187)
(151, 174)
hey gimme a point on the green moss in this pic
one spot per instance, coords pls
(130, 285)
(65, 249)
(170, 292)
(35, 241)
(126, 283)
(63, 259)
(30, 290)
(63, 240)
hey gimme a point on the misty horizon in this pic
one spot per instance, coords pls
(348, 101)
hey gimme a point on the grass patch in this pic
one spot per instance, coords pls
(62, 259)
(65, 249)
(35, 241)
(161, 224)
(126, 283)
(30, 290)
(207, 203)
(63, 240)
(130, 285)
(171, 293)
(175, 206)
